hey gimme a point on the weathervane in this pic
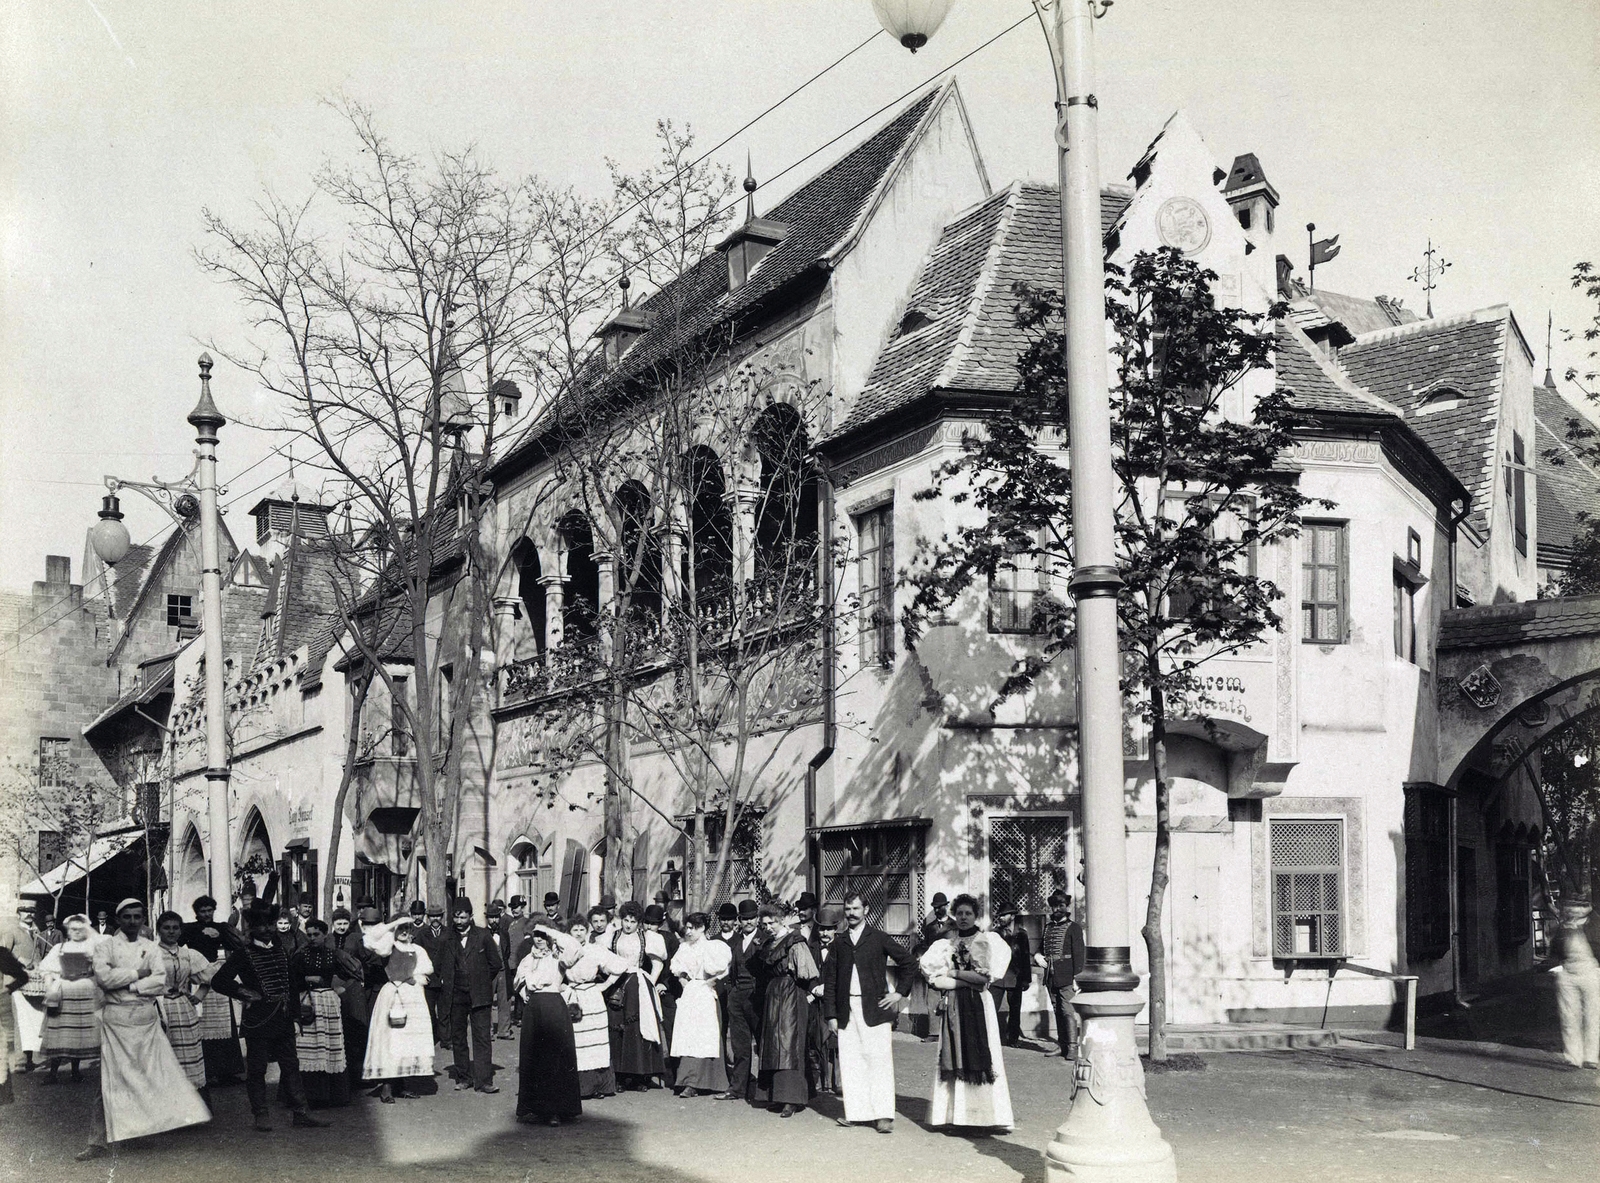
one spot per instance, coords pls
(1428, 274)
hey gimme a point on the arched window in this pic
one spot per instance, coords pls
(708, 553)
(786, 516)
(639, 555)
(1440, 398)
(255, 851)
(580, 608)
(526, 557)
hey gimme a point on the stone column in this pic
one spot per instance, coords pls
(606, 568)
(742, 509)
(555, 594)
(505, 631)
(672, 548)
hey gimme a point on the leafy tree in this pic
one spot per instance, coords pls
(53, 815)
(1199, 494)
(1568, 783)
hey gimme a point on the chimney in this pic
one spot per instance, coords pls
(1253, 200)
(57, 570)
(507, 396)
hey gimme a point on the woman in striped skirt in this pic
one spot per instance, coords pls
(188, 981)
(320, 1043)
(72, 1000)
(587, 980)
(219, 1030)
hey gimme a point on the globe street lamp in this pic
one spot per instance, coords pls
(1108, 1133)
(184, 500)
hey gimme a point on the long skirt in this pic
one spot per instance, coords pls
(547, 1077)
(219, 1040)
(73, 1032)
(142, 1086)
(706, 1073)
(632, 1055)
(396, 1052)
(592, 1037)
(956, 1102)
(182, 1024)
(319, 1046)
(29, 1011)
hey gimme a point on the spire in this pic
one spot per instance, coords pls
(205, 417)
(749, 189)
(1549, 338)
(624, 283)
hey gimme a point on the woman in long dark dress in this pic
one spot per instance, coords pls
(788, 972)
(219, 1028)
(636, 1032)
(547, 1084)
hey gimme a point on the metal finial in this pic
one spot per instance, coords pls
(749, 189)
(205, 415)
(624, 283)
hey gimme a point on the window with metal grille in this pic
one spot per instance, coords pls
(180, 609)
(1028, 861)
(1517, 492)
(1427, 874)
(52, 851)
(54, 765)
(1323, 581)
(1513, 902)
(1015, 590)
(737, 883)
(1307, 890)
(875, 577)
(884, 864)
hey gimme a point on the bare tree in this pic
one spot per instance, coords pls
(52, 817)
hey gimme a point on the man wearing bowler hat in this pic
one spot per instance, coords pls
(805, 910)
(552, 910)
(428, 931)
(744, 1015)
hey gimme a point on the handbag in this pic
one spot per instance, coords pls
(397, 1014)
(574, 1012)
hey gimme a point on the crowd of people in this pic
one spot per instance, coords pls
(762, 1004)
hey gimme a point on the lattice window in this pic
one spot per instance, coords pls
(1513, 902)
(1307, 888)
(875, 573)
(1028, 860)
(884, 864)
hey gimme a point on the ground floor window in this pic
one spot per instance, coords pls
(1307, 887)
(299, 875)
(1514, 908)
(1427, 831)
(884, 863)
(534, 873)
(1028, 860)
(374, 882)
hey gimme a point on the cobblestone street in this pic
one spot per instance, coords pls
(1350, 1113)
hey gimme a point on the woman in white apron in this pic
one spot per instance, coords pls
(400, 1039)
(699, 964)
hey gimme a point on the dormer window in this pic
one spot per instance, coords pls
(913, 320)
(620, 332)
(1441, 398)
(747, 246)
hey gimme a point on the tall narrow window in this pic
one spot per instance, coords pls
(1513, 903)
(399, 725)
(1427, 831)
(875, 574)
(1307, 892)
(1015, 591)
(53, 764)
(1519, 493)
(1322, 587)
(1405, 618)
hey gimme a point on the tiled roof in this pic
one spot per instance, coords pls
(1315, 383)
(1360, 315)
(301, 598)
(1467, 353)
(966, 288)
(822, 217)
(1495, 625)
(130, 578)
(1565, 490)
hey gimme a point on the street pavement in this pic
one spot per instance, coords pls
(1348, 1113)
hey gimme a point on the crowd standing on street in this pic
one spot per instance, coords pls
(756, 1003)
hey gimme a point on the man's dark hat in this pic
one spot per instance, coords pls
(608, 902)
(806, 900)
(435, 909)
(940, 898)
(552, 897)
(655, 914)
(518, 901)
(748, 910)
(727, 911)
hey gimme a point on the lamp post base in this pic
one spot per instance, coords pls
(1108, 1136)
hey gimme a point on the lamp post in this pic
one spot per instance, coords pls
(184, 500)
(1108, 1133)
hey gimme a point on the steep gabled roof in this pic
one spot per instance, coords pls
(1404, 364)
(1315, 383)
(1568, 491)
(301, 597)
(823, 217)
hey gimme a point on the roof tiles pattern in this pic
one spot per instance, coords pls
(1565, 490)
(1493, 625)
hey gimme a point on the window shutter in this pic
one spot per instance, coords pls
(576, 866)
(311, 881)
(641, 868)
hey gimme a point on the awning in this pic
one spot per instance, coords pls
(888, 823)
(101, 851)
(155, 679)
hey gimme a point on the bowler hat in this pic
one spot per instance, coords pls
(940, 898)
(370, 915)
(518, 901)
(608, 902)
(552, 897)
(417, 907)
(748, 910)
(806, 900)
(655, 914)
(727, 911)
(829, 916)
(435, 909)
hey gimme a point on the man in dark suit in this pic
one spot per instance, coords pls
(744, 1015)
(860, 1007)
(469, 965)
(810, 931)
(430, 934)
(1010, 988)
(515, 925)
(1061, 956)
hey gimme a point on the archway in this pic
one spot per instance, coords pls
(708, 553)
(255, 861)
(786, 515)
(531, 637)
(638, 561)
(580, 608)
(191, 880)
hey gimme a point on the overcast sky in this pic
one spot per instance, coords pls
(1470, 121)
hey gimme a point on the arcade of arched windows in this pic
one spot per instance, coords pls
(756, 533)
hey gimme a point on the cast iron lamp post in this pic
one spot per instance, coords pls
(195, 494)
(1108, 1133)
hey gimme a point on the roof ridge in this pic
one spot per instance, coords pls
(1423, 325)
(1335, 374)
(980, 289)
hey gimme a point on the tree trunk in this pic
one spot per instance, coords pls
(352, 749)
(1160, 874)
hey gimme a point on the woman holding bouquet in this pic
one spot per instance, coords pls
(547, 1085)
(400, 1038)
(72, 1000)
(970, 1088)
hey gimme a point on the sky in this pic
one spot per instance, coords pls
(1472, 123)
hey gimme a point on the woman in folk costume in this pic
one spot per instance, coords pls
(636, 1054)
(143, 1088)
(547, 1075)
(588, 978)
(787, 973)
(219, 1027)
(188, 982)
(319, 1044)
(700, 963)
(400, 1037)
(13, 976)
(71, 999)
(970, 1089)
